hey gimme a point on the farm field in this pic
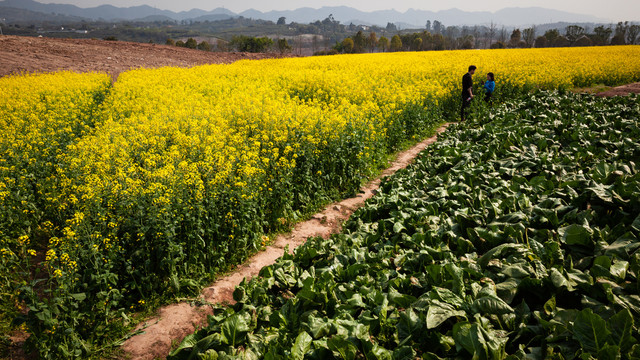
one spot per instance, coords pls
(131, 193)
(22, 54)
(513, 237)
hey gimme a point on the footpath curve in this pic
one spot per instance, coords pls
(174, 322)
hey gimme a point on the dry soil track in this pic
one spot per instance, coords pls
(621, 90)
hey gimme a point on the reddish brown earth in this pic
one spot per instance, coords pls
(20, 54)
(621, 90)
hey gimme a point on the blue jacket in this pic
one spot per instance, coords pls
(489, 86)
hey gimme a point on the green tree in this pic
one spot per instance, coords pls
(191, 43)
(516, 37)
(416, 44)
(602, 35)
(359, 42)
(551, 35)
(541, 42)
(251, 44)
(170, 42)
(438, 42)
(283, 46)
(282, 21)
(467, 42)
(204, 46)
(396, 43)
(347, 45)
(372, 42)
(383, 43)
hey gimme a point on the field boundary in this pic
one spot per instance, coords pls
(173, 322)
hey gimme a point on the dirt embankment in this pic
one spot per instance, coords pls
(621, 90)
(20, 54)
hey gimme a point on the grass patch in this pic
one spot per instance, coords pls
(593, 89)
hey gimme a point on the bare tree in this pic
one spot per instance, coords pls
(529, 35)
(502, 35)
(476, 37)
(632, 34)
(492, 33)
(573, 33)
(620, 36)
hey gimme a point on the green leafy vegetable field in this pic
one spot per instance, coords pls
(511, 237)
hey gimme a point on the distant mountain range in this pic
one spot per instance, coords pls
(29, 9)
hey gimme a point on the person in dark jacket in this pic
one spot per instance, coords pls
(467, 91)
(489, 87)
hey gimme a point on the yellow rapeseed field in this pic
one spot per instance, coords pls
(159, 182)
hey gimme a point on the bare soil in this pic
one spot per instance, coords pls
(175, 321)
(19, 54)
(621, 90)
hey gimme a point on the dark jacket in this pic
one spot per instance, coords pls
(467, 84)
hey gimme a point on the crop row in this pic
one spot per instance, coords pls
(171, 176)
(515, 237)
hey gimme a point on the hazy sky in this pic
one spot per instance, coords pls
(609, 9)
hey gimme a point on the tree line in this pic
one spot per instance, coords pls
(436, 36)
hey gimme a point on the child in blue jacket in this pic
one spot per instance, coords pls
(489, 87)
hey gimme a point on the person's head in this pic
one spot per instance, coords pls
(472, 69)
(490, 77)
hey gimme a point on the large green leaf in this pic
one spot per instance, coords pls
(478, 342)
(401, 300)
(491, 305)
(621, 325)
(575, 235)
(301, 346)
(344, 347)
(498, 251)
(447, 296)
(234, 330)
(318, 327)
(404, 353)
(379, 353)
(409, 324)
(591, 331)
(636, 224)
(439, 312)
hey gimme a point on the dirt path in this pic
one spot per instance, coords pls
(176, 321)
(621, 90)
